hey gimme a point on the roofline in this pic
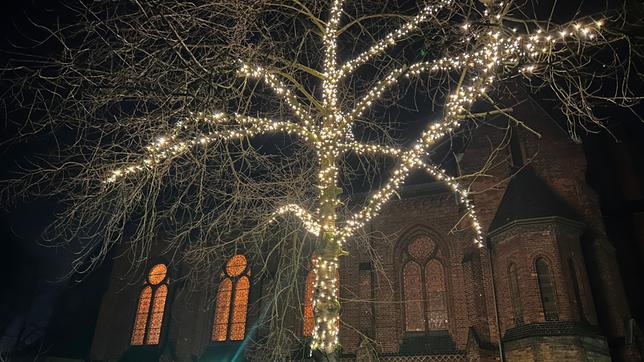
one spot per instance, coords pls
(537, 220)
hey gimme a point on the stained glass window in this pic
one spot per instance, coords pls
(436, 295)
(157, 274)
(309, 285)
(154, 331)
(151, 306)
(414, 311)
(236, 265)
(231, 306)
(222, 310)
(515, 295)
(421, 248)
(240, 307)
(424, 287)
(308, 322)
(546, 290)
(142, 311)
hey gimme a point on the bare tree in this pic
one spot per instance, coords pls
(219, 123)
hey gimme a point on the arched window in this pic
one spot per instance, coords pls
(515, 296)
(309, 287)
(546, 290)
(576, 289)
(414, 309)
(424, 287)
(436, 296)
(308, 322)
(231, 306)
(151, 306)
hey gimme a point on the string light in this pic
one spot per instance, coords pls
(500, 52)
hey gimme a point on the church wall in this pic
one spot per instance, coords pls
(434, 216)
(110, 341)
(522, 246)
(563, 165)
(556, 349)
(469, 271)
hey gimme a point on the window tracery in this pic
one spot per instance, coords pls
(231, 304)
(150, 309)
(424, 287)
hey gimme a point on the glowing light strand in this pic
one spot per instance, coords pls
(463, 198)
(281, 90)
(330, 63)
(173, 144)
(392, 38)
(308, 220)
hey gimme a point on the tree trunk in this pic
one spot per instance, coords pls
(325, 301)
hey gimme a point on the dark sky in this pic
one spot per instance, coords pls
(31, 291)
(36, 302)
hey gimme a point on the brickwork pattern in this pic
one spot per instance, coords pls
(426, 358)
(372, 300)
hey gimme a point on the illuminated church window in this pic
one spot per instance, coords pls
(151, 307)
(308, 321)
(231, 305)
(424, 287)
(309, 286)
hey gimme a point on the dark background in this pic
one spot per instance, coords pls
(43, 310)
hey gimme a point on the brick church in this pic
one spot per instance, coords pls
(545, 288)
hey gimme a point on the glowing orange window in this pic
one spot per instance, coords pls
(309, 286)
(150, 308)
(231, 306)
(308, 322)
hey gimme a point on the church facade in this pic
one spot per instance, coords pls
(545, 288)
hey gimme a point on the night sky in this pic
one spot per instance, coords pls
(39, 305)
(48, 311)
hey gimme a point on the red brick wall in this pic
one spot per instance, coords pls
(521, 245)
(470, 285)
(556, 349)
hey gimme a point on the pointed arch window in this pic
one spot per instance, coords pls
(308, 321)
(309, 287)
(515, 295)
(546, 290)
(231, 305)
(151, 307)
(576, 289)
(424, 287)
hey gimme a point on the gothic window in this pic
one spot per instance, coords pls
(424, 287)
(309, 286)
(515, 295)
(436, 295)
(414, 310)
(231, 304)
(151, 306)
(309, 292)
(576, 289)
(546, 290)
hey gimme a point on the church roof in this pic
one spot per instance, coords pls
(528, 196)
